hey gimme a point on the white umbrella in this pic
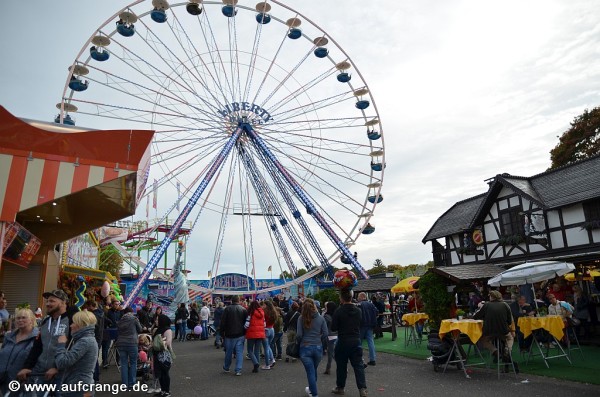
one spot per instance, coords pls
(531, 272)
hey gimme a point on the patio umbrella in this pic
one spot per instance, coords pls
(405, 285)
(531, 272)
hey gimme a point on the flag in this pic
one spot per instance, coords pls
(154, 192)
(269, 269)
(178, 195)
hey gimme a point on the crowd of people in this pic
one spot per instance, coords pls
(70, 346)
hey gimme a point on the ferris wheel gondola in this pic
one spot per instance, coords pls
(268, 94)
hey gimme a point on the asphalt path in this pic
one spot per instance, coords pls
(197, 371)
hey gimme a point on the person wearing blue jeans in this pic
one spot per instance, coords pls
(310, 333)
(369, 322)
(232, 330)
(127, 344)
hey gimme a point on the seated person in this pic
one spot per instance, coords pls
(520, 308)
(497, 323)
(560, 308)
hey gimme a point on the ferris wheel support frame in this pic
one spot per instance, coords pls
(260, 143)
(160, 251)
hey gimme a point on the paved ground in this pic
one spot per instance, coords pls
(197, 371)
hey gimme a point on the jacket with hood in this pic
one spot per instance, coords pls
(13, 354)
(129, 327)
(255, 325)
(79, 361)
(41, 356)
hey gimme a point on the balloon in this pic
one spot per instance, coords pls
(105, 289)
(198, 329)
(79, 295)
(142, 356)
(344, 279)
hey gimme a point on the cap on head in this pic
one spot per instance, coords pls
(57, 293)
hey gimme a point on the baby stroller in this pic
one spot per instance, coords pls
(191, 324)
(144, 368)
(440, 350)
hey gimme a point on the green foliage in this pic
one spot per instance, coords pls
(378, 267)
(110, 260)
(436, 298)
(327, 295)
(579, 142)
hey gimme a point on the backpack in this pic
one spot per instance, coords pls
(158, 344)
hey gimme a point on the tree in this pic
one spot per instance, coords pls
(327, 295)
(580, 141)
(436, 298)
(110, 260)
(378, 267)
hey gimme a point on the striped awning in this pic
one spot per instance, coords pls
(61, 181)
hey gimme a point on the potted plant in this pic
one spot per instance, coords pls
(460, 313)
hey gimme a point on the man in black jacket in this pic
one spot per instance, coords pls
(232, 329)
(347, 321)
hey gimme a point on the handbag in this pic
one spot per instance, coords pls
(293, 350)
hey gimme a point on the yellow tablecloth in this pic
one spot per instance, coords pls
(552, 324)
(412, 318)
(472, 328)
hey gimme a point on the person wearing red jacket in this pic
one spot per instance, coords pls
(255, 335)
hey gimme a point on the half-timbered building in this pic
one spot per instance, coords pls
(554, 215)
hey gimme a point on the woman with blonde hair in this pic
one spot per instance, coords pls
(311, 333)
(79, 360)
(16, 347)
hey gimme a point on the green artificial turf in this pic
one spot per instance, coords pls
(584, 369)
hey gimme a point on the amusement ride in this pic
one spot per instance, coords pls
(268, 143)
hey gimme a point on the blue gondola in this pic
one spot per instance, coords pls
(193, 8)
(368, 229)
(321, 52)
(99, 54)
(229, 11)
(294, 33)
(373, 135)
(345, 260)
(376, 166)
(159, 16)
(76, 84)
(124, 29)
(67, 120)
(362, 104)
(372, 199)
(343, 77)
(263, 18)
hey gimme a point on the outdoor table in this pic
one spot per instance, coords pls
(471, 328)
(555, 327)
(410, 332)
(389, 323)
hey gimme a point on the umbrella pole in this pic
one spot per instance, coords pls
(534, 298)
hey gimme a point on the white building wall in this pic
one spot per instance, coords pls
(557, 240)
(573, 214)
(553, 219)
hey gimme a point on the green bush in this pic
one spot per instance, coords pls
(327, 295)
(436, 298)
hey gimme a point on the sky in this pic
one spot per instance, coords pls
(465, 90)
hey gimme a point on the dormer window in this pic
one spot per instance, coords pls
(511, 222)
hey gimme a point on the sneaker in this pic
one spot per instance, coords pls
(226, 370)
(273, 363)
(238, 373)
(372, 363)
(338, 390)
(363, 392)
(265, 367)
(166, 394)
(307, 391)
(248, 357)
(105, 366)
(278, 358)
(152, 390)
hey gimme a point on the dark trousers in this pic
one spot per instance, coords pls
(349, 350)
(161, 371)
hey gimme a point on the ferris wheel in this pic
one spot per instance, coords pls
(267, 137)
